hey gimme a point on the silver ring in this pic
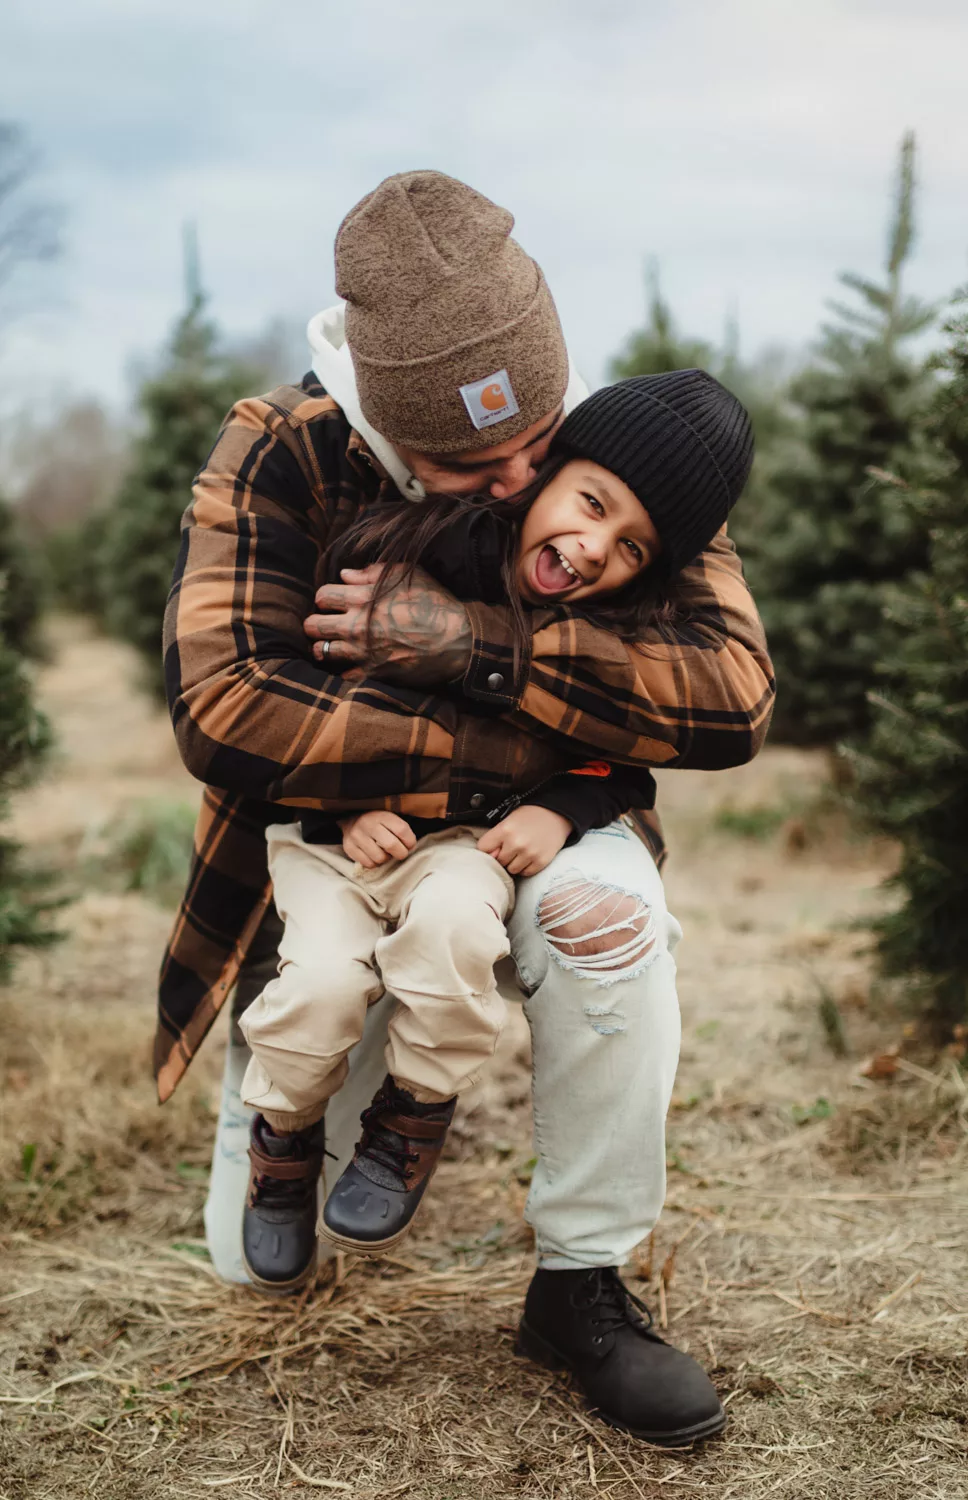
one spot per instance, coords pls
(326, 646)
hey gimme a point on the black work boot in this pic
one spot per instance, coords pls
(590, 1323)
(279, 1221)
(373, 1203)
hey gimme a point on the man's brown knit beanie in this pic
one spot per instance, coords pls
(455, 340)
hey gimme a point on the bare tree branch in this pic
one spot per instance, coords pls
(29, 228)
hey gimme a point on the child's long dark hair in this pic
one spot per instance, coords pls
(399, 533)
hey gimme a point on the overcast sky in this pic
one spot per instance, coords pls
(748, 144)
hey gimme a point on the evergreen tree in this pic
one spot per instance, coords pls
(830, 541)
(24, 736)
(660, 345)
(912, 776)
(28, 232)
(21, 581)
(136, 540)
(74, 565)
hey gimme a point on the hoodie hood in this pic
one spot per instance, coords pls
(333, 365)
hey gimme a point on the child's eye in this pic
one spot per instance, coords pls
(596, 505)
(635, 550)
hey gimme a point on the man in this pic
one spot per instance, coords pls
(450, 374)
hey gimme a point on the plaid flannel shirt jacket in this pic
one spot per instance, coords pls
(270, 731)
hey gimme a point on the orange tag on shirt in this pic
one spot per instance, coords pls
(593, 768)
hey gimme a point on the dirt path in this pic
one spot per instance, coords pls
(813, 1251)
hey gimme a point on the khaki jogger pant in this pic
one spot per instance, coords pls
(428, 929)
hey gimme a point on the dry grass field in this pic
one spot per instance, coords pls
(813, 1252)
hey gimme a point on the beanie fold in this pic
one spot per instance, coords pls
(419, 402)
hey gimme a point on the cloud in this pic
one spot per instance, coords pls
(748, 144)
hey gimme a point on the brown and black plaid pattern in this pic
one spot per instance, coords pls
(258, 718)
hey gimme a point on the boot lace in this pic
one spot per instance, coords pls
(386, 1147)
(283, 1192)
(616, 1306)
(276, 1192)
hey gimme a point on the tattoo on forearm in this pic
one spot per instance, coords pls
(421, 633)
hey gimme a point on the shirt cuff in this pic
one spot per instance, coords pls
(490, 676)
(572, 798)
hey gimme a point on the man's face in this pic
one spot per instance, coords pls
(501, 472)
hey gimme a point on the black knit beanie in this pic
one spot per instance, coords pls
(680, 441)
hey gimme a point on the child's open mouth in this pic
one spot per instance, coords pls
(553, 573)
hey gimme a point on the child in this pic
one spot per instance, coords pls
(375, 901)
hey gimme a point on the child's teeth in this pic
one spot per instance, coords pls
(566, 564)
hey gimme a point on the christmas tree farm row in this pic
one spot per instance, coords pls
(845, 548)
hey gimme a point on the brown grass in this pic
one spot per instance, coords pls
(817, 1268)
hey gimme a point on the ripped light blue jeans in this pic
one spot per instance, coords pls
(592, 943)
(605, 1044)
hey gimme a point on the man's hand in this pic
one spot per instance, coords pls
(419, 633)
(526, 840)
(371, 838)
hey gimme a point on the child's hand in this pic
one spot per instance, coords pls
(526, 840)
(371, 838)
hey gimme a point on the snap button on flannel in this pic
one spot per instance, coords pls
(496, 681)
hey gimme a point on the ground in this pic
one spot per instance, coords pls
(812, 1252)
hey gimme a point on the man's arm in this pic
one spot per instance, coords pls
(698, 694)
(253, 713)
(419, 633)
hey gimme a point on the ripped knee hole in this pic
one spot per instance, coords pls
(596, 929)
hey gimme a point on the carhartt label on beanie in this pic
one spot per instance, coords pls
(454, 336)
(681, 441)
(490, 400)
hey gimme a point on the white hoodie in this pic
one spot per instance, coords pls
(333, 364)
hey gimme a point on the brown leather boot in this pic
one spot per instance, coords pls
(373, 1203)
(279, 1221)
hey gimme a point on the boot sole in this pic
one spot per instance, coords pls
(366, 1249)
(530, 1345)
(281, 1288)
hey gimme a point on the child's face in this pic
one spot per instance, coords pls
(586, 534)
